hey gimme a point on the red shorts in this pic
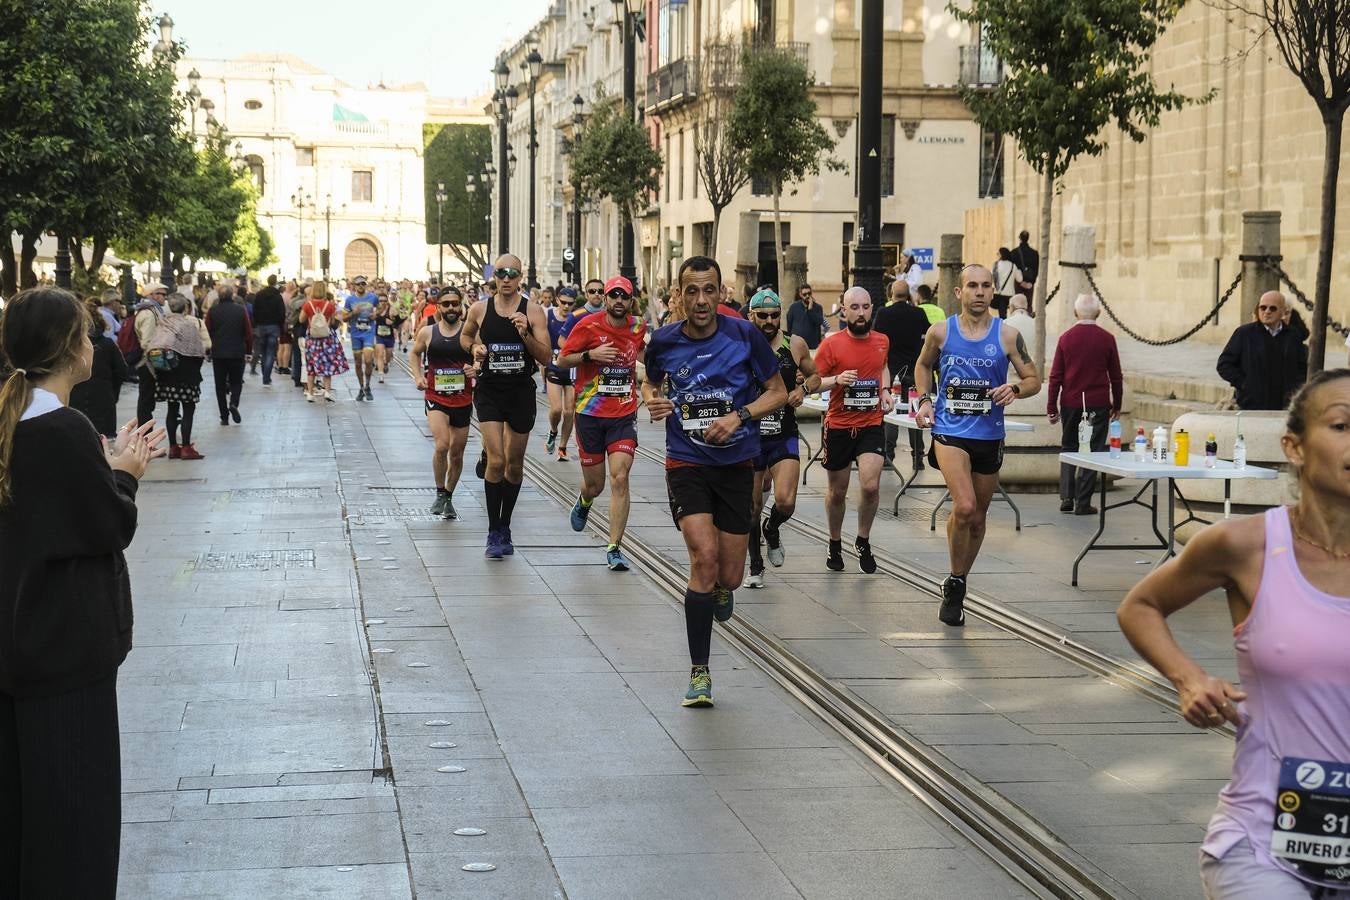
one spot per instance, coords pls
(597, 436)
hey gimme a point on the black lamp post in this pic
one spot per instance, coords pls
(578, 119)
(441, 197)
(629, 9)
(867, 268)
(534, 64)
(486, 176)
(194, 96)
(300, 199)
(328, 238)
(161, 50)
(502, 73)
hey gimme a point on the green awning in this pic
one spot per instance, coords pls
(343, 114)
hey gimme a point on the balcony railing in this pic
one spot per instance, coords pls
(722, 61)
(671, 85)
(979, 67)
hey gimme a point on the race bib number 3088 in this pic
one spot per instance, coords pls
(1311, 836)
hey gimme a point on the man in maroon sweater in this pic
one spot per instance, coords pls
(1084, 380)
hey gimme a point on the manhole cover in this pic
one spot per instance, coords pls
(289, 493)
(254, 561)
(379, 489)
(390, 512)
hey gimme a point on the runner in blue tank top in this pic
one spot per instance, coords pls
(972, 351)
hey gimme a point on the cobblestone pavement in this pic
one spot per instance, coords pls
(309, 641)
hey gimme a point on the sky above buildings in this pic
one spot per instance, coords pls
(449, 45)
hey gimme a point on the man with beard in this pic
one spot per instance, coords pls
(972, 350)
(444, 370)
(508, 337)
(606, 348)
(359, 313)
(852, 366)
(709, 377)
(779, 461)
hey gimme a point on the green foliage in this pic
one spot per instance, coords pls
(1073, 67)
(613, 157)
(453, 154)
(774, 119)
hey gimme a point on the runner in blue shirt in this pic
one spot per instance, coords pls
(359, 313)
(704, 378)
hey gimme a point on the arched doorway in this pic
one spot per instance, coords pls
(362, 258)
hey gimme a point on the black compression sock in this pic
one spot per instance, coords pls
(510, 492)
(698, 620)
(492, 495)
(776, 519)
(836, 547)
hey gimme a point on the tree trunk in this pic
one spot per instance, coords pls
(1043, 279)
(28, 253)
(711, 250)
(1333, 121)
(99, 251)
(777, 233)
(77, 255)
(9, 267)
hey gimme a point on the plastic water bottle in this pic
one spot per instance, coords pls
(1239, 452)
(913, 400)
(1085, 434)
(1160, 444)
(1140, 445)
(1211, 451)
(1113, 437)
(1181, 453)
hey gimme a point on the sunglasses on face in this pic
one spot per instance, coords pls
(1268, 308)
(508, 273)
(768, 315)
(617, 294)
(595, 290)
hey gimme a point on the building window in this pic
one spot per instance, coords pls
(696, 165)
(257, 171)
(306, 256)
(668, 167)
(680, 163)
(761, 187)
(304, 157)
(888, 156)
(991, 164)
(363, 187)
(252, 105)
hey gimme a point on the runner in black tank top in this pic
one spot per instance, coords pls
(509, 348)
(444, 371)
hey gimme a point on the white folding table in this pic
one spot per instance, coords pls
(1125, 466)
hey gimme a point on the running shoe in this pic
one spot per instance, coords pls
(835, 561)
(234, 414)
(480, 470)
(615, 559)
(755, 580)
(700, 687)
(309, 397)
(580, 513)
(953, 601)
(723, 603)
(504, 539)
(328, 395)
(774, 540)
(448, 512)
(562, 454)
(552, 443)
(438, 507)
(381, 378)
(494, 546)
(865, 559)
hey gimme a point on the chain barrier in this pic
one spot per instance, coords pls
(1212, 314)
(1050, 296)
(1273, 264)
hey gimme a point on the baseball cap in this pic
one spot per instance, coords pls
(765, 299)
(360, 279)
(568, 292)
(618, 281)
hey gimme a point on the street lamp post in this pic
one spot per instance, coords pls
(194, 95)
(629, 9)
(162, 50)
(328, 238)
(534, 64)
(300, 199)
(578, 119)
(441, 197)
(867, 266)
(502, 73)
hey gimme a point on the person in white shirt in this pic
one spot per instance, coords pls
(1019, 318)
(1006, 277)
(911, 272)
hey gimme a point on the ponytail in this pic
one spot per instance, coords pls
(16, 392)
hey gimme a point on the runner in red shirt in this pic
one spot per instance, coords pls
(852, 366)
(606, 348)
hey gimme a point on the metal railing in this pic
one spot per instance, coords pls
(979, 67)
(722, 61)
(672, 83)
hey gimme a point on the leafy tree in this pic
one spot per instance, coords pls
(453, 154)
(1074, 67)
(773, 118)
(720, 161)
(90, 125)
(614, 158)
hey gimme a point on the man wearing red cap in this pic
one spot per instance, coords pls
(606, 348)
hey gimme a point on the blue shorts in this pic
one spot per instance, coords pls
(774, 450)
(384, 341)
(362, 340)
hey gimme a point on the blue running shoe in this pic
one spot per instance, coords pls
(614, 556)
(504, 542)
(723, 603)
(494, 546)
(700, 688)
(579, 515)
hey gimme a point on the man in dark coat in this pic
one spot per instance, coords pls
(269, 316)
(1029, 262)
(1265, 360)
(231, 341)
(905, 325)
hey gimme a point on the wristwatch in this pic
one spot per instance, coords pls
(586, 356)
(744, 413)
(1017, 390)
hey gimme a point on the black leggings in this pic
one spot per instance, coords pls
(60, 794)
(173, 421)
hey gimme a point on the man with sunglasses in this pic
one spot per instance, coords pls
(710, 377)
(606, 348)
(852, 365)
(444, 370)
(561, 392)
(508, 337)
(779, 461)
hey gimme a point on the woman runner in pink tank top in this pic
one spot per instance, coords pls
(1282, 827)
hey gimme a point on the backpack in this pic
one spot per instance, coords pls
(162, 360)
(318, 323)
(128, 341)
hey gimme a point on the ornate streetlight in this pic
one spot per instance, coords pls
(327, 254)
(534, 65)
(194, 95)
(441, 197)
(301, 199)
(503, 112)
(162, 50)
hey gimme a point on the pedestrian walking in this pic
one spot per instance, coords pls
(324, 356)
(178, 349)
(1028, 261)
(67, 511)
(1006, 279)
(1085, 380)
(904, 325)
(231, 341)
(144, 319)
(1266, 361)
(806, 318)
(110, 303)
(1279, 829)
(295, 301)
(1019, 317)
(910, 270)
(269, 317)
(97, 395)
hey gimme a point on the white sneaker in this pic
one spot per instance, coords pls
(309, 398)
(754, 581)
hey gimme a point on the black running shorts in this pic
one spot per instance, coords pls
(513, 405)
(844, 445)
(458, 415)
(986, 457)
(723, 491)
